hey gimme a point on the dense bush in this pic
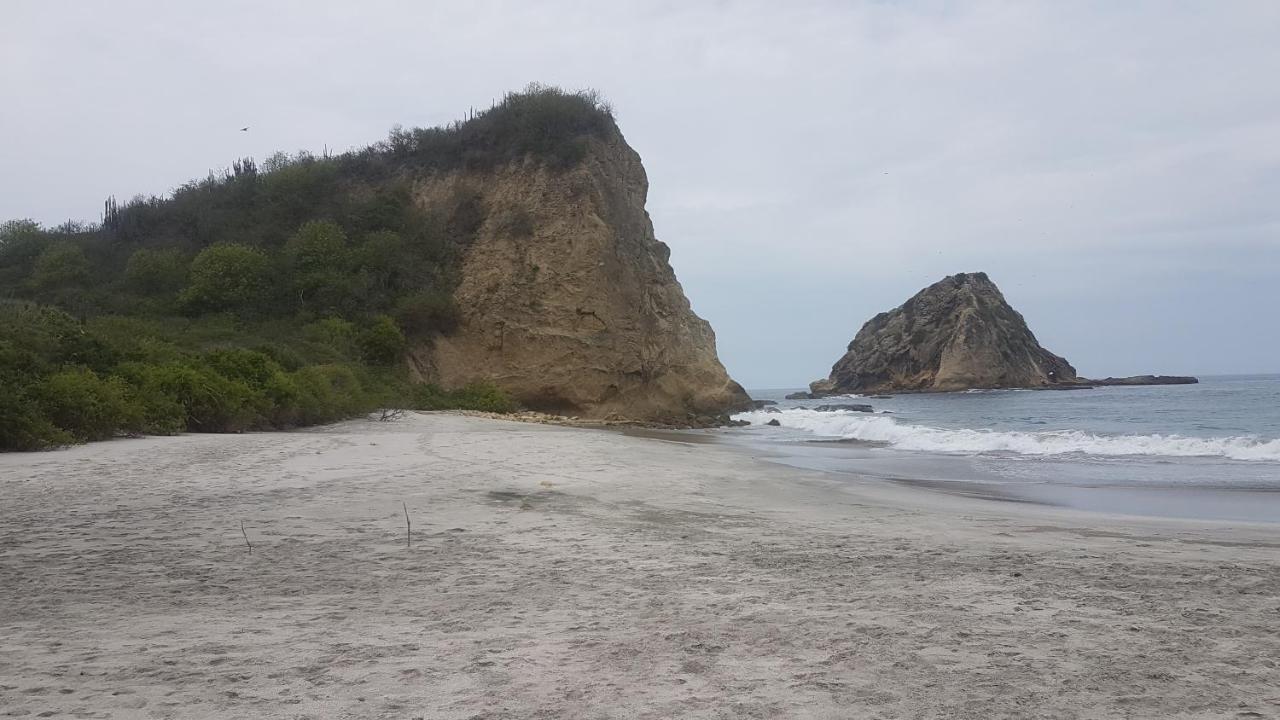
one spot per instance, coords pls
(151, 272)
(477, 396)
(23, 426)
(210, 402)
(145, 381)
(382, 343)
(330, 392)
(61, 265)
(86, 406)
(543, 122)
(228, 278)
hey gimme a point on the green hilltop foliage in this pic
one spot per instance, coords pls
(262, 298)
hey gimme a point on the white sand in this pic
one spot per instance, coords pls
(569, 573)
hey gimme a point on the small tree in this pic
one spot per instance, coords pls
(86, 405)
(151, 272)
(16, 231)
(61, 265)
(228, 278)
(382, 343)
(318, 246)
(318, 262)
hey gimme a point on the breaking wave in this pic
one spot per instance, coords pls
(880, 429)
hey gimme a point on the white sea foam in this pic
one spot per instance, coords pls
(904, 436)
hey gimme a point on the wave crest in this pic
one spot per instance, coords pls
(904, 436)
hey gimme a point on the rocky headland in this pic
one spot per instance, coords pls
(497, 263)
(567, 299)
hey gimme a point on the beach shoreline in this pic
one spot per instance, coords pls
(570, 572)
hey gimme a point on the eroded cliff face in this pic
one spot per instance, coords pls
(568, 300)
(956, 334)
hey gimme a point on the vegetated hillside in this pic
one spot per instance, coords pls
(264, 297)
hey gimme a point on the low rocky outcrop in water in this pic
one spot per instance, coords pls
(852, 407)
(956, 334)
(1146, 380)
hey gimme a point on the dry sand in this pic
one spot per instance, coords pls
(570, 573)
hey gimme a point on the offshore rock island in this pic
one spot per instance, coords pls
(957, 334)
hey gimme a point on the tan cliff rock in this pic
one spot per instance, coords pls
(567, 299)
(956, 334)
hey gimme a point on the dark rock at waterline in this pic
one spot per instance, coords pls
(956, 334)
(762, 404)
(1146, 380)
(854, 407)
(800, 396)
(774, 422)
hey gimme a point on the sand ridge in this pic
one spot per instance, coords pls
(569, 573)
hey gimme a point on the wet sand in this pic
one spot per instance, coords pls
(1050, 484)
(571, 573)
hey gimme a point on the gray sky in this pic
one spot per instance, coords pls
(1115, 167)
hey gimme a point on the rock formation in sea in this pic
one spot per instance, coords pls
(956, 334)
(1146, 380)
(567, 299)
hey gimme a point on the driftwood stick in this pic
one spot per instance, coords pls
(408, 527)
(246, 536)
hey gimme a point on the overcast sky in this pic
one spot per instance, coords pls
(1114, 166)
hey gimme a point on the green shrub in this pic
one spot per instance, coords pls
(130, 338)
(23, 426)
(382, 343)
(61, 265)
(329, 392)
(248, 366)
(542, 122)
(334, 333)
(158, 413)
(319, 245)
(86, 406)
(210, 402)
(319, 268)
(151, 272)
(484, 396)
(284, 355)
(273, 393)
(228, 278)
(476, 396)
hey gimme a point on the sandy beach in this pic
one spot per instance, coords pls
(575, 573)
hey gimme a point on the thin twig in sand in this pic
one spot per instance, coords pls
(246, 536)
(408, 527)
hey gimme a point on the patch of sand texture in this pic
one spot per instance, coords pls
(569, 573)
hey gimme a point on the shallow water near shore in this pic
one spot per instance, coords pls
(1209, 451)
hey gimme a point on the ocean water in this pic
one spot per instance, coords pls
(1209, 451)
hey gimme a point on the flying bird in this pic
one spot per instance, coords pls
(244, 129)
